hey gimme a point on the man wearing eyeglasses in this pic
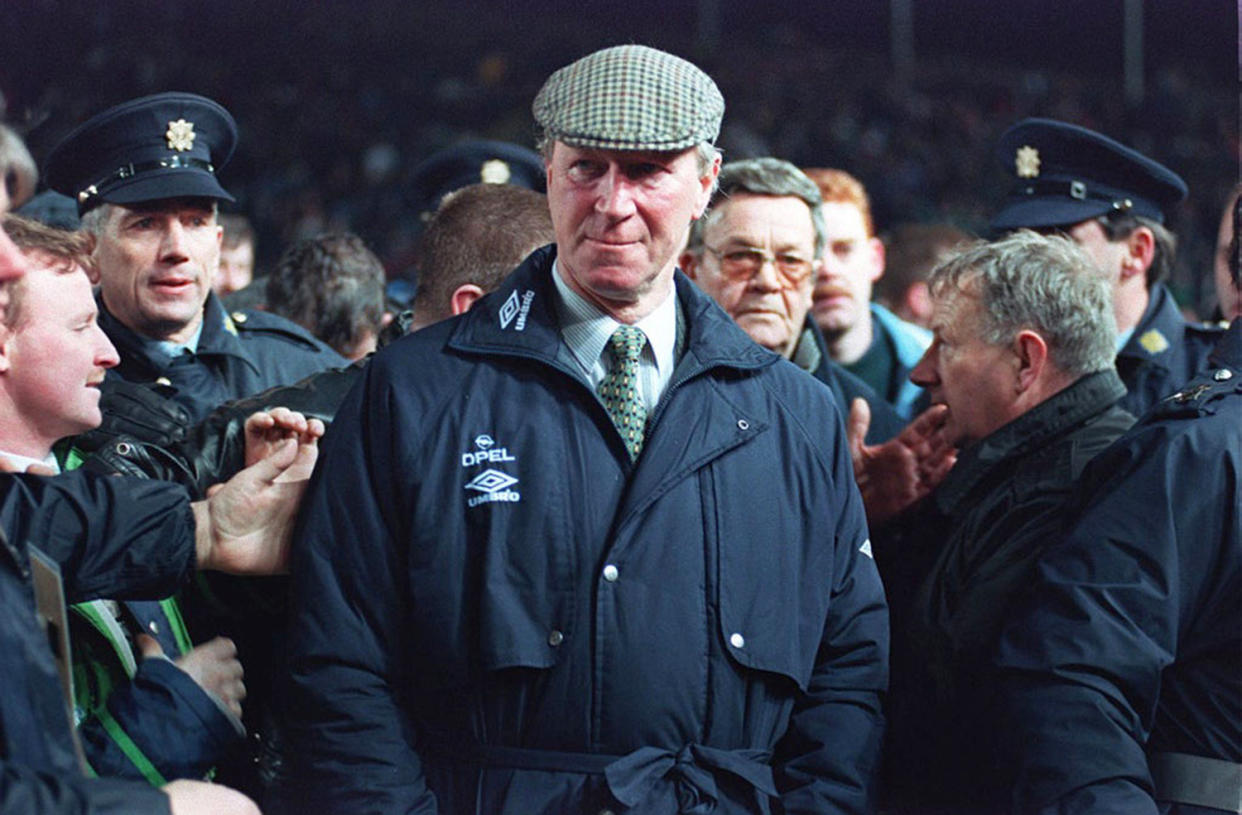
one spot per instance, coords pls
(1113, 202)
(754, 254)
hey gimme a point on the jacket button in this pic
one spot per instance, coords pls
(164, 381)
(1223, 375)
(123, 448)
(611, 574)
(238, 317)
(555, 638)
(155, 628)
(737, 640)
(742, 424)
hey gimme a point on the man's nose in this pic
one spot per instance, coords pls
(173, 245)
(924, 373)
(616, 197)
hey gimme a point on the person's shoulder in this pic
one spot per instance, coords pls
(262, 327)
(1216, 391)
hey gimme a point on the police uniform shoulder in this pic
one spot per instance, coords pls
(1201, 396)
(1208, 329)
(252, 323)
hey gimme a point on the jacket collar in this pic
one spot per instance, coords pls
(1085, 398)
(219, 336)
(1159, 331)
(519, 319)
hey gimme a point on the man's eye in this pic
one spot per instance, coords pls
(585, 169)
(645, 170)
(143, 223)
(744, 256)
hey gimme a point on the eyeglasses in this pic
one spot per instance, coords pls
(743, 264)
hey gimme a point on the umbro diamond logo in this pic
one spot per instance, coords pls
(515, 307)
(492, 485)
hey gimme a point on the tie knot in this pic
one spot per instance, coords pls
(627, 342)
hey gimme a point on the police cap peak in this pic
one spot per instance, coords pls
(630, 97)
(1064, 174)
(169, 145)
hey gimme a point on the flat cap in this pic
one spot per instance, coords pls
(630, 97)
(474, 162)
(1064, 174)
(169, 145)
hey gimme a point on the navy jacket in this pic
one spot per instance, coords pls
(495, 611)
(109, 535)
(953, 566)
(1164, 352)
(238, 355)
(1133, 644)
(812, 355)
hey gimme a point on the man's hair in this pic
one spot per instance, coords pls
(1043, 283)
(839, 187)
(762, 176)
(1118, 227)
(333, 286)
(67, 251)
(237, 230)
(479, 234)
(17, 167)
(911, 251)
(705, 155)
(93, 219)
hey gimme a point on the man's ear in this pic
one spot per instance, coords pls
(689, 263)
(1140, 252)
(706, 184)
(876, 247)
(463, 298)
(1032, 357)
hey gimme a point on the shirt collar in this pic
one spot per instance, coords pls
(586, 329)
(23, 462)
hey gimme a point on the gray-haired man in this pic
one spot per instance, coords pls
(1022, 357)
(578, 549)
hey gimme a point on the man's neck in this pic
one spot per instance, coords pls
(1129, 305)
(847, 347)
(19, 439)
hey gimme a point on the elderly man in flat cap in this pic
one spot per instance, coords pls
(143, 174)
(1112, 201)
(587, 547)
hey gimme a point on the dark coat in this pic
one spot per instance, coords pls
(1132, 643)
(113, 536)
(951, 570)
(886, 422)
(1164, 352)
(238, 355)
(495, 611)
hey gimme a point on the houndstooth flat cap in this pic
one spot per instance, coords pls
(630, 97)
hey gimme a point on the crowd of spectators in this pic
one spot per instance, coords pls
(339, 104)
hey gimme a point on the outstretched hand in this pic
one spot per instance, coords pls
(246, 524)
(266, 429)
(894, 475)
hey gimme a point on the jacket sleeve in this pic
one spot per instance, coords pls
(113, 537)
(158, 727)
(1083, 662)
(351, 750)
(24, 791)
(827, 760)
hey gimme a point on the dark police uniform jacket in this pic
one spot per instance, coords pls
(237, 356)
(953, 567)
(109, 535)
(1163, 352)
(495, 611)
(1129, 660)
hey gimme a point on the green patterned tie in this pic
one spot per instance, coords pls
(619, 390)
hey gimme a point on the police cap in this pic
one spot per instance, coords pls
(1064, 174)
(169, 145)
(474, 162)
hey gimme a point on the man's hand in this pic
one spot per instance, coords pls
(265, 431)
(201, 798)
(246, 524)
(893, 475)
(213, 666)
